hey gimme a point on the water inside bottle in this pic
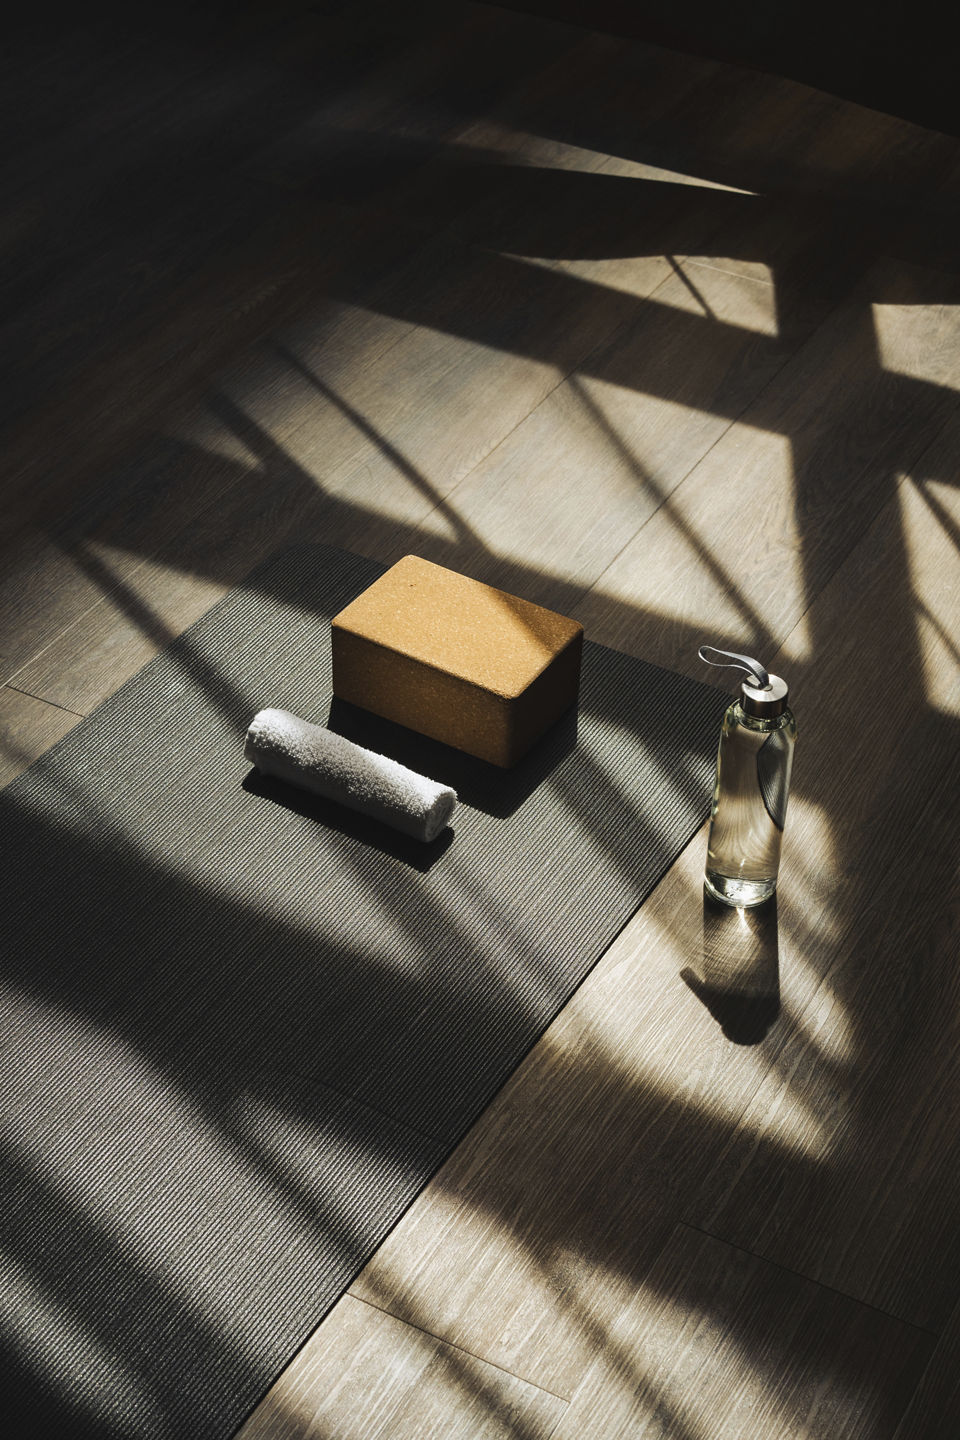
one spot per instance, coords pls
(749, 807)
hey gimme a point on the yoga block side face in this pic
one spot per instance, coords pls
(456, 660)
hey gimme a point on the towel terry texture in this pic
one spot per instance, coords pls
(320, 760)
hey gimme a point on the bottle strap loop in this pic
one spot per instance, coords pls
(737, 662)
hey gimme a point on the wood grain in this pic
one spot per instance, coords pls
(673, 348)
(867, 1202)
(756, 530)
(717, 1343)
(365, 1373)
(637, 449)
(228, 294)
(536, 1233)
(523, 505)
(28, 727)
(934, 1409)
(515, 1242)
(350, 445)
(161, 243)
(261, 400)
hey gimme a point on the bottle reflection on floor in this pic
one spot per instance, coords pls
(738, 976)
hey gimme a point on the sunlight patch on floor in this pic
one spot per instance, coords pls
(918, 341)
(809, 832)
(930, 515)
(756, 270)
(797, 648)
(491, 141)
(643, 978)
(737, 302)
(640, 170)
(687, 567)
(204, 435)
(693, 285)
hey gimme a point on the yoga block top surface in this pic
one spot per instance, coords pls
(456, 659)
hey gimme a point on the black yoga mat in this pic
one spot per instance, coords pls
(241, 1028)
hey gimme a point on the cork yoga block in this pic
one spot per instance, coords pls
(456, 660)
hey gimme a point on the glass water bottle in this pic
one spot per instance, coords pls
(749, 807)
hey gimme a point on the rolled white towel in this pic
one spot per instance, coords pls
(320, 760)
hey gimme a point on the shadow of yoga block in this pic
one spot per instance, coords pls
(456, 660)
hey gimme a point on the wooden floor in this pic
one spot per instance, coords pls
(675, 349)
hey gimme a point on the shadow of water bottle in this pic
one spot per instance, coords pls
(738, 975)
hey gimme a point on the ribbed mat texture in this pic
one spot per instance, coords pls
(241, 1028)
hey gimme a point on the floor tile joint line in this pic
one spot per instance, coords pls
(43, 700)
(810, 1280)
(482, 1359)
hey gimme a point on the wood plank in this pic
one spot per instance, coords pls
(511, 1244)
(199, 251)
(848, 185)
(397, 466)
(138, 510)
(358, 243)
(369, 448)
(535, 1235)
(785, 1080)
(523, 505)
(934, 1409)
(293, 391)
(718, 1343)
(509, 208)
(775, 136)
(490, 171)
(745, 544)
(868, 1200)
(358, 434)
(366, 1374)
(226, 311)
(28, 728)
(479, 162)
(41, 592)
(137, 503)
(143, 608)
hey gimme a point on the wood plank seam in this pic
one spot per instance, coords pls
(44, 701)
(609, 339)
(808, 1279)
(111, 591)
(927, 443)
(452, 1344)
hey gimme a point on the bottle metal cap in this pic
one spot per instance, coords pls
(761, 694)
(764, 701)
